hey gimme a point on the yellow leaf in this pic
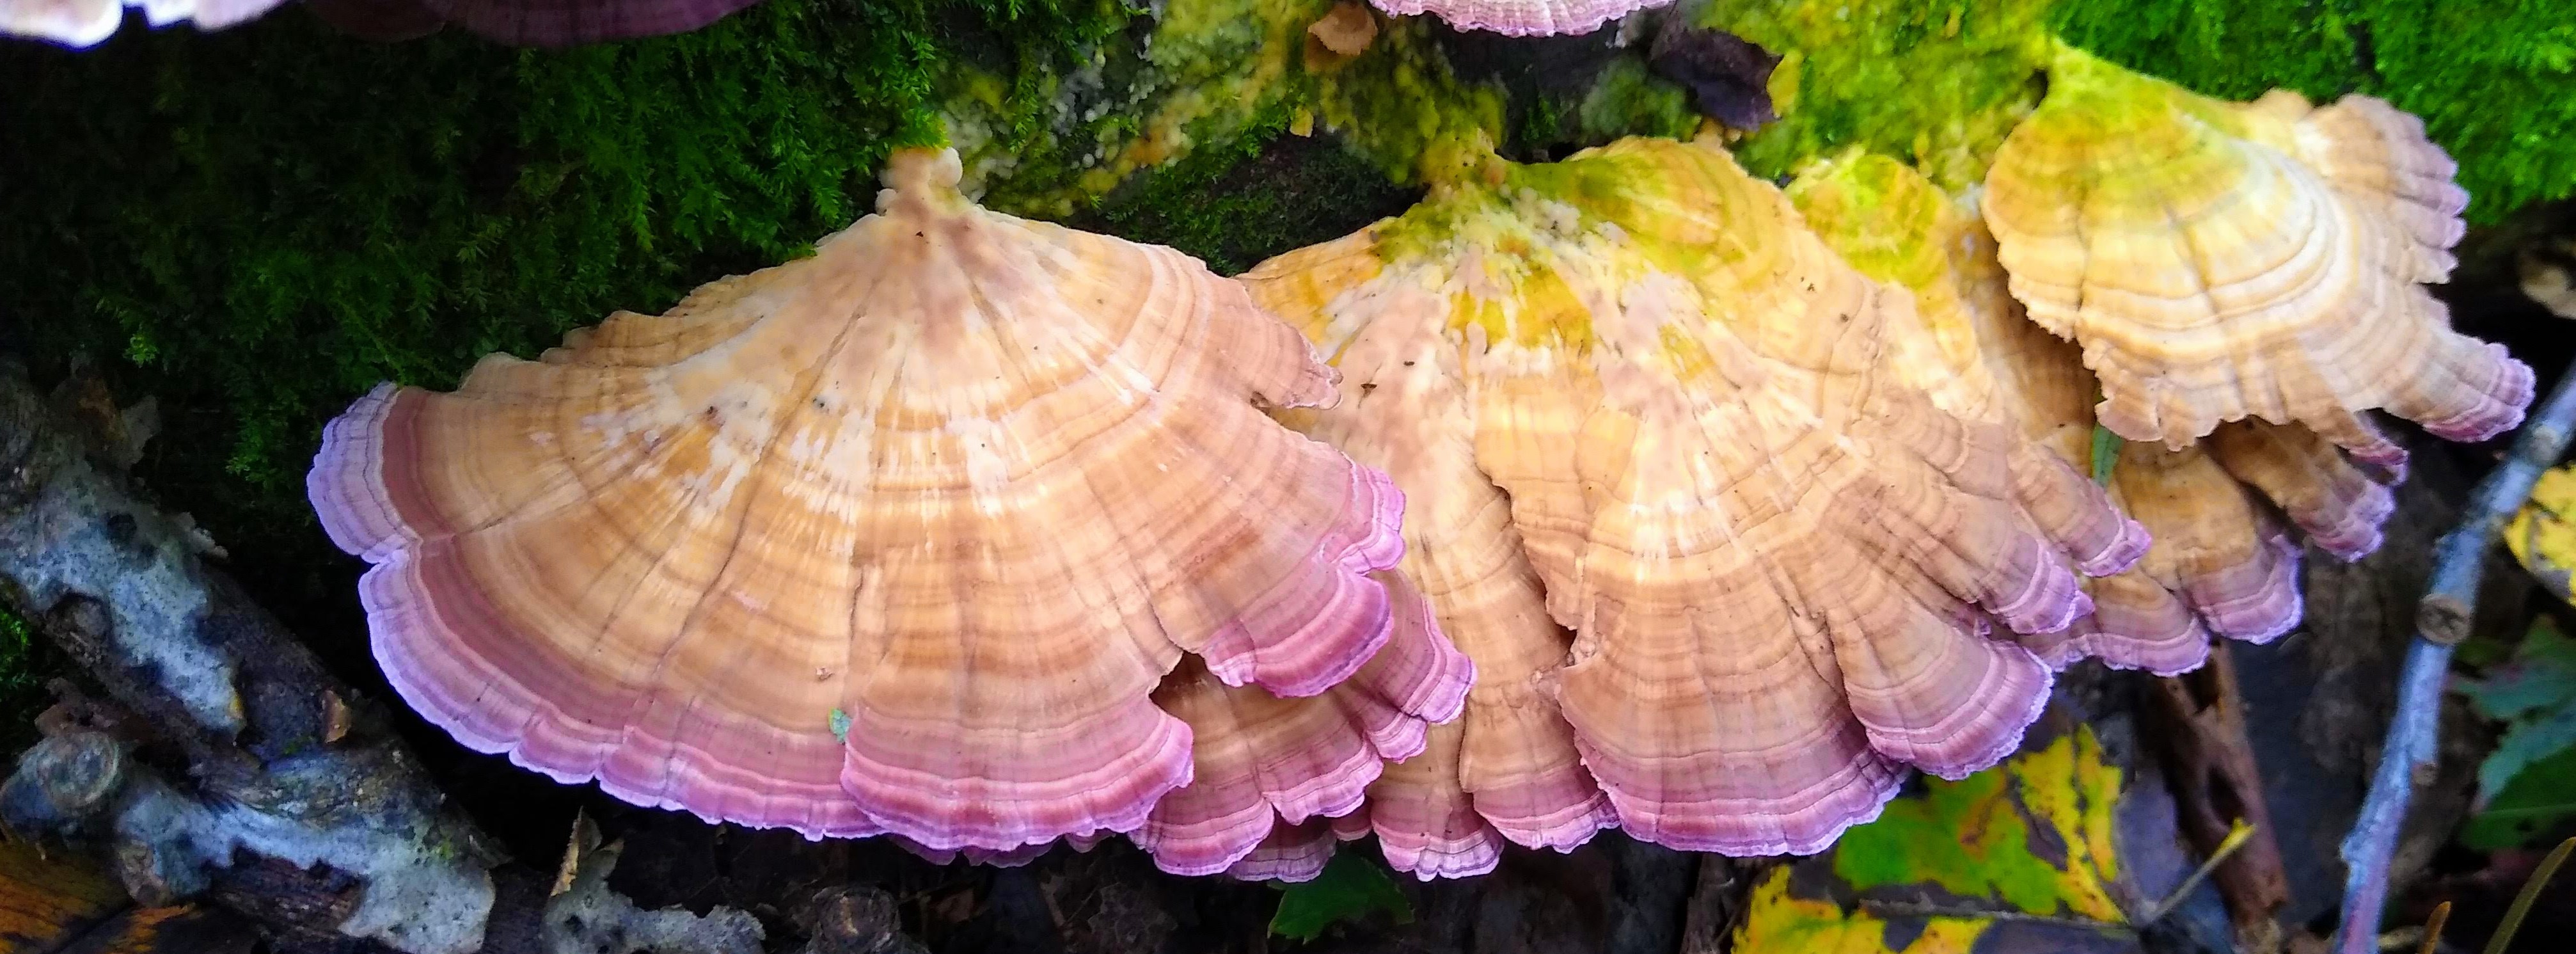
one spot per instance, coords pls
(2541, 536)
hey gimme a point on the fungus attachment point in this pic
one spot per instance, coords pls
(961, 486)
(1778, 556)
(2220, 261)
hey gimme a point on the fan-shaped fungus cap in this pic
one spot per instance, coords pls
(1896, 226)
(1508, 769)
(1778, 556)
(1262, 761)
(1522, 17)
(2220, 261)
(80, 23)
(1295, 853)
(568, 22)
(2220, 563)
(959, 487)
(2220, 554)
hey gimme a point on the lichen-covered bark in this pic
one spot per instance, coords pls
(276, 768)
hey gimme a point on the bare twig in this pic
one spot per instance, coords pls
(2433, 928)
(2237, 835)
(2441, 621)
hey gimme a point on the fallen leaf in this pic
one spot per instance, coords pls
(2018, 857)
(2529, 781)
(1350, 887)
(2541, 536)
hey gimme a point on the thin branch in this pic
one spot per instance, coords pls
(2433, 929)
(2237, 835)
(2441, 621)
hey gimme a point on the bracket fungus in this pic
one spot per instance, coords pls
(1522, 17)
(902, 536)
(2222, 561)
(1508, 768)
(82, 23)
(1779, 558)
(568, 22)
(524, 22)
(1264, 763)
(2220, 261)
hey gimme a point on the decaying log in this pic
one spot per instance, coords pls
(229, 763)
(854, 919)
(67, 904)
(1716, 903)
(2200, 724)
(126, 591)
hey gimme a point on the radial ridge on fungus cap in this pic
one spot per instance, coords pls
(2219, 261)
(1780, 560)
(901, 536)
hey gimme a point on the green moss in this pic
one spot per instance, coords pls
(1628, 100)
(1940, 82)
(2494, 82)
(1268, 191)
(25, 663)
(264, 222)
(1402, 106)
(2205, 45)
(1936, 83)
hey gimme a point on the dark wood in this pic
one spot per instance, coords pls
(2199, 720)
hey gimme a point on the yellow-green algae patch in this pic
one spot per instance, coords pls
(1882, 216)
(1529, 238)
(1211, 70)
(1896, 227)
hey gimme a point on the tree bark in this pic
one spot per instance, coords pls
(245, 765)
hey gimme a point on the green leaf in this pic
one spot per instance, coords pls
(2523, 745)
(2028, 839)
(2535, 694)
(1350, 887)
(2106, 453)
(2541, 678)
(2540, 799)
